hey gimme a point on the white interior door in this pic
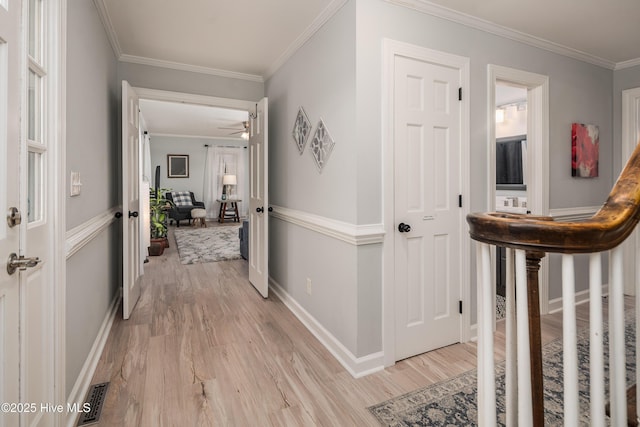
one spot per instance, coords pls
(26, 290)
(10, 112)
(131, 259)
(259, 200)
(427, 142)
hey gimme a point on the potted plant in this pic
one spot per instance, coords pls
(159, 207)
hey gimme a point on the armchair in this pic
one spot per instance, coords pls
(183, 202)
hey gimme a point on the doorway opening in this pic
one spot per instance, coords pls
(518, 147)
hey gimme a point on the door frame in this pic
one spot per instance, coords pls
(537, 151)
(630, 131)
(391, 49)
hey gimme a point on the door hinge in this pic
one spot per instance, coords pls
(460, 306)
(459, 94)
(459, 200)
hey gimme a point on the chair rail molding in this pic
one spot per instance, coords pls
(80, 236)
(365, 234)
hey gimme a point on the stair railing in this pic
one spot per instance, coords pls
(527, 239)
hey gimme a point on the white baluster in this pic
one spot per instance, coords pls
(511, 377)
(486, 314)
(569, 342)
(525, 407)
(596, 348)
(617, 380)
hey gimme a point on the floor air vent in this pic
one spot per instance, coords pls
(95, 399)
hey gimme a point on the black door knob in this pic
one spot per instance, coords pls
(133, 214)
(404, 228)
(270, 209)
(259, 210)
(118, 215)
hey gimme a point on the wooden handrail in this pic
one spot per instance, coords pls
(608, 227)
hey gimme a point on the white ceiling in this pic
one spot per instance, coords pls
(188, 120)
(251, 39)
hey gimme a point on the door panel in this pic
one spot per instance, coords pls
(259, 199)
(132, 261)
(427, 184)
(10, 112)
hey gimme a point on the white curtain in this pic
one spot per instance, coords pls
(221, 160)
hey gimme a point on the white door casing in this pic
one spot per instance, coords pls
(10, 113)
(259, 199)
(132, 261)
(630, 137)
(427, 143)
(537, 150)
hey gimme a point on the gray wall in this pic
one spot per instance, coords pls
(197, 152)
(579, 92)
(93, 274)
(322, 78)
(195, 148)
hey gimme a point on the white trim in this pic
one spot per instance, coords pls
(555, 305)
(81, 386)
(108, 27)
(392, 48)
(317, 23)
(190, 68)
(630, 135)
(353, 234)
(538, 156)
(627, 64)
(573, 214)
(356, 366)
(437, 10)
(80, 236)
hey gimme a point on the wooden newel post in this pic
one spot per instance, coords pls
(535, 340)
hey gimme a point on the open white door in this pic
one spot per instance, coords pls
(27, 194)
(10, 112)
(131, 260)
(259, 200)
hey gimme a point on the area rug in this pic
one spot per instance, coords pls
(197, 245)
(453, 402)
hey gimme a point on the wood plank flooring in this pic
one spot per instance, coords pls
(203, 348)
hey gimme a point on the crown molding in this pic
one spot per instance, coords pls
(429, 8)
(191, 68)
(627, 64)
(317, 23)
(108, 27)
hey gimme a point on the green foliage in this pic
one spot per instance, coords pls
(159, 207)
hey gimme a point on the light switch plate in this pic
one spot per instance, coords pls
(76, 184)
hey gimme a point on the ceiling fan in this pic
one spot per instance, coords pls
(244, 131)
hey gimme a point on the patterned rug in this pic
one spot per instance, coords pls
(453, 402)
(197, 245)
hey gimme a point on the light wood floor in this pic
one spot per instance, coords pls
(203, 348)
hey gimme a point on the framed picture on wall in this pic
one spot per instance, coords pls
(178, 165)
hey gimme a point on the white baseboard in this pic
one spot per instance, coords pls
(555, 305)
(83, 381)
(356, 366)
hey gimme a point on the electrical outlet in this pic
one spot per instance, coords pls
(308, 286)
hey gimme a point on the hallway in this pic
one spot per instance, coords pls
(204, 348)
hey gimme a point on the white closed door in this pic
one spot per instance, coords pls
(131, 258)
(27, 312)
(259, 199)
(427, 214)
